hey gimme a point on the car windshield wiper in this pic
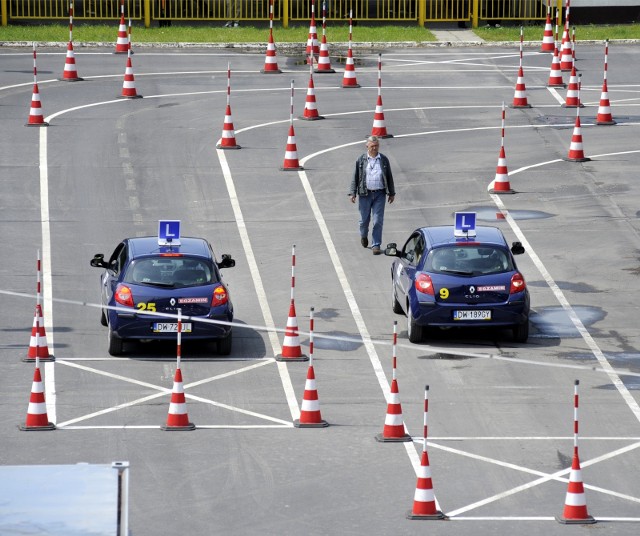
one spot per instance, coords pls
(457, 272)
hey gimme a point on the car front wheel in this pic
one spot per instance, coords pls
(414, 331)
(395, 304)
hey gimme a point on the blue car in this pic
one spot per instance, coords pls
(440, 280)
(144, 279)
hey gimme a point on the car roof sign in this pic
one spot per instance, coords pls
(465, 224)
(169, 232)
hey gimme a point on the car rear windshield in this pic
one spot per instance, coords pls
(170, 272)
(468, 260)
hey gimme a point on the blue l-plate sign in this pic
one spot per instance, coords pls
(169, 233)
(465, 224)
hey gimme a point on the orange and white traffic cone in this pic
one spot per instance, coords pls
(349, 78)
(36, 119)
(291, 162)
(270, 61)
(576, 152)
(520, 95)
(548, 42)
(178, 419)
(122, 43)
(129, 83)
(324, 62)
(379, 129)
(228, 138)
(70, 73)
(291, 350)
(310, 112)
(555, 73)
(424, 499)
(500, 183)
(38, 348)
(393, 430)
(310, 416)
(313, 48)
(572, 100)
(566, 54)
(37, 418)
(604, 116)
(575, 504)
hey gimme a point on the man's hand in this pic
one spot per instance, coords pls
(391, 198)
(353, 198)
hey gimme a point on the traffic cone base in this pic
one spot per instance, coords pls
(169, 427)
(585, 521)
(320, 424)
(576, 159)
(402, 439)
(565, 105)
(311, 117)
(599, 122)
(437, 515)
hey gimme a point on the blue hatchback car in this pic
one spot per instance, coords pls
(440, 280)
(144, 279)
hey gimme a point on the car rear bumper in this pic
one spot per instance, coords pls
(436, 315)
(134, 326)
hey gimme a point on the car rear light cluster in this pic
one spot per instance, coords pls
(123, 296)
(424, 284)
(517, 283)
(220, 296)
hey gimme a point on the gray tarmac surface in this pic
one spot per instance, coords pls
(500, 413)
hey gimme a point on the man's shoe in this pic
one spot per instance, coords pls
(228, 24)
(376, 250)
(364, 241)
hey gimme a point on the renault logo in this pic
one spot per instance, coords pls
(472, 289)
(172, 302)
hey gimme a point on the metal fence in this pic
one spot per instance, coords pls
(417, 11)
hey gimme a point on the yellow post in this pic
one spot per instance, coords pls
(147, 13)
(285, 13)
(475, 11)
(3, 12)
(422, 12)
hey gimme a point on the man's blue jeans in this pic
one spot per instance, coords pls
(371, 206)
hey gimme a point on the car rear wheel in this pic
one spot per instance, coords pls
(116, 344)
(521, 332)
(395, 304)
(414, 331)
(224, 345)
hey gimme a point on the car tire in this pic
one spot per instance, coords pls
(395, 304)
(415, 332)
(103, 318)
(116, 344)
(521, 332)
(224, 344)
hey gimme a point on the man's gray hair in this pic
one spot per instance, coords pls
(373, 139)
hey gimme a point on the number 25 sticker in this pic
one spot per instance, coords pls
(444, 293)
(151, 307)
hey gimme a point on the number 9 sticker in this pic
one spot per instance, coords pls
(444, 293)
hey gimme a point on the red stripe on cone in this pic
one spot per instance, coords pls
(228, 138)
(310, 416)
(177, 418)
(575, 504)
(35, 112)
(393, 429)
(270, 61)
(37, 418)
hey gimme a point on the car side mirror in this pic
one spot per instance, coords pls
(517, 248)
(391, 250)
(98, 261)
(227, 261)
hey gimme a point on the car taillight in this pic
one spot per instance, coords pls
(123, 296)
(517, 283)
(220, 296)
(424, 284)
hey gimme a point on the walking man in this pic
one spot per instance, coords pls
(372, 182)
